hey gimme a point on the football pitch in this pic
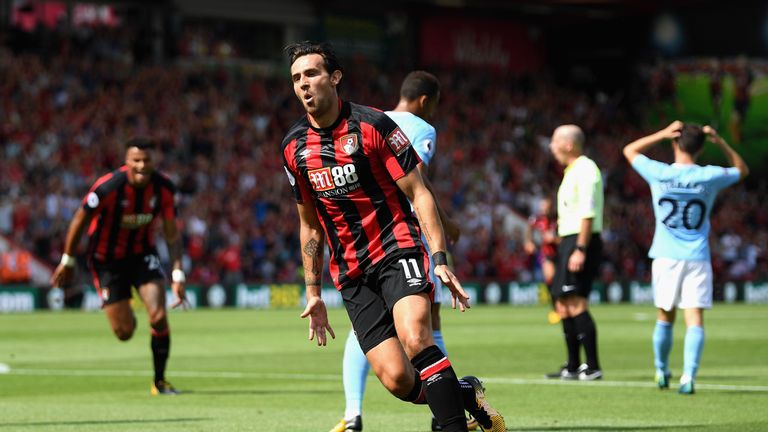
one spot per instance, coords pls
(254, 370)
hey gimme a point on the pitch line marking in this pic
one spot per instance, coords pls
(328, 377)
(608, 383)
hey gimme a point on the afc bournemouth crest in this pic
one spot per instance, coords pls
(349, 143)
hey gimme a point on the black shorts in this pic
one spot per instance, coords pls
(568, 283)
(113, 280)
(369, 299)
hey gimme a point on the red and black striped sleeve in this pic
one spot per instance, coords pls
(299, 186)
(392, 145)
(99, 191)
(166, 197)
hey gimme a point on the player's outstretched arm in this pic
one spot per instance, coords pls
(426, 211)
(62, 275)
(637, 147)
(312, 237)
(178, 278)
(733, 158)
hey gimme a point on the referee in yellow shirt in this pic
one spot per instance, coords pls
(579, 222)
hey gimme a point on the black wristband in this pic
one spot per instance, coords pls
(439, 258)
(581, 248)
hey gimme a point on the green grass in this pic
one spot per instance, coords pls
(254, 370)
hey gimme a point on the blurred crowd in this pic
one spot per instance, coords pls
(64, 116)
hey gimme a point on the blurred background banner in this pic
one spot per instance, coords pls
(481, 43)
(26, 298)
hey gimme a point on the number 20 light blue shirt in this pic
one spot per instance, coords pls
(682, 201)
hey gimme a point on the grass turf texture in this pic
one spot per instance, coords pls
(254, 370)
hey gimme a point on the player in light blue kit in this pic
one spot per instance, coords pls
(419, 95)
(683, 194)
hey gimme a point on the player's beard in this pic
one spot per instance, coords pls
(318, 106)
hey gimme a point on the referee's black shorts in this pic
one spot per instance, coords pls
(567, 283)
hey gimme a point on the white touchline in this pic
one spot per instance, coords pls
(328, 377)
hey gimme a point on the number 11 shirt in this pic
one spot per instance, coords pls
(349, 171)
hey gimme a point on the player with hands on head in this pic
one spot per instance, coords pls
(683, 194)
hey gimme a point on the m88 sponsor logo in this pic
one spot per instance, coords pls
(332, 181)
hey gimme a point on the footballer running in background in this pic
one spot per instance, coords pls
(541, 243)
(118, 212)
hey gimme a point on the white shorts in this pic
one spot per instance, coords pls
(682, 284)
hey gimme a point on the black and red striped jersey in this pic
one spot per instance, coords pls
(122, 214)
(349, 171)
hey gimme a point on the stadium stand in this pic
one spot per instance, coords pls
(68, 99)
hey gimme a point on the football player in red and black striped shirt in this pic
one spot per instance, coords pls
(119, 211)
(353, 174)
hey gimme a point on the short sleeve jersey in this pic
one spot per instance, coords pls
(579, 197)
(349, 171)
(122, 214)
(422, 135)
(683, 196)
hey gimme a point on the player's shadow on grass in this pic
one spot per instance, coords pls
(256, 392)
(102, 422)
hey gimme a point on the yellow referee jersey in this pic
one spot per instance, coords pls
(580, 196)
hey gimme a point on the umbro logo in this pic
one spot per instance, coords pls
(414, 281)
(434, 378)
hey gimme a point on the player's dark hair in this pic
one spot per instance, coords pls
(691, 138)
(141, 143)
(418, 83)
(299, 49)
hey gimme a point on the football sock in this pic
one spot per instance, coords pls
(437, 335)
(442, 388)
(417, 395)
(355, 372)
(694, 344)
(571, 343)
(587, 335)
(161, 346)
(662, 345)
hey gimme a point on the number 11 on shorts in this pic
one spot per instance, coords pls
(403, 262)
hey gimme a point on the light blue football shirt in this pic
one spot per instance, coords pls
(423, 139)
(422, 134)
(682, 201)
